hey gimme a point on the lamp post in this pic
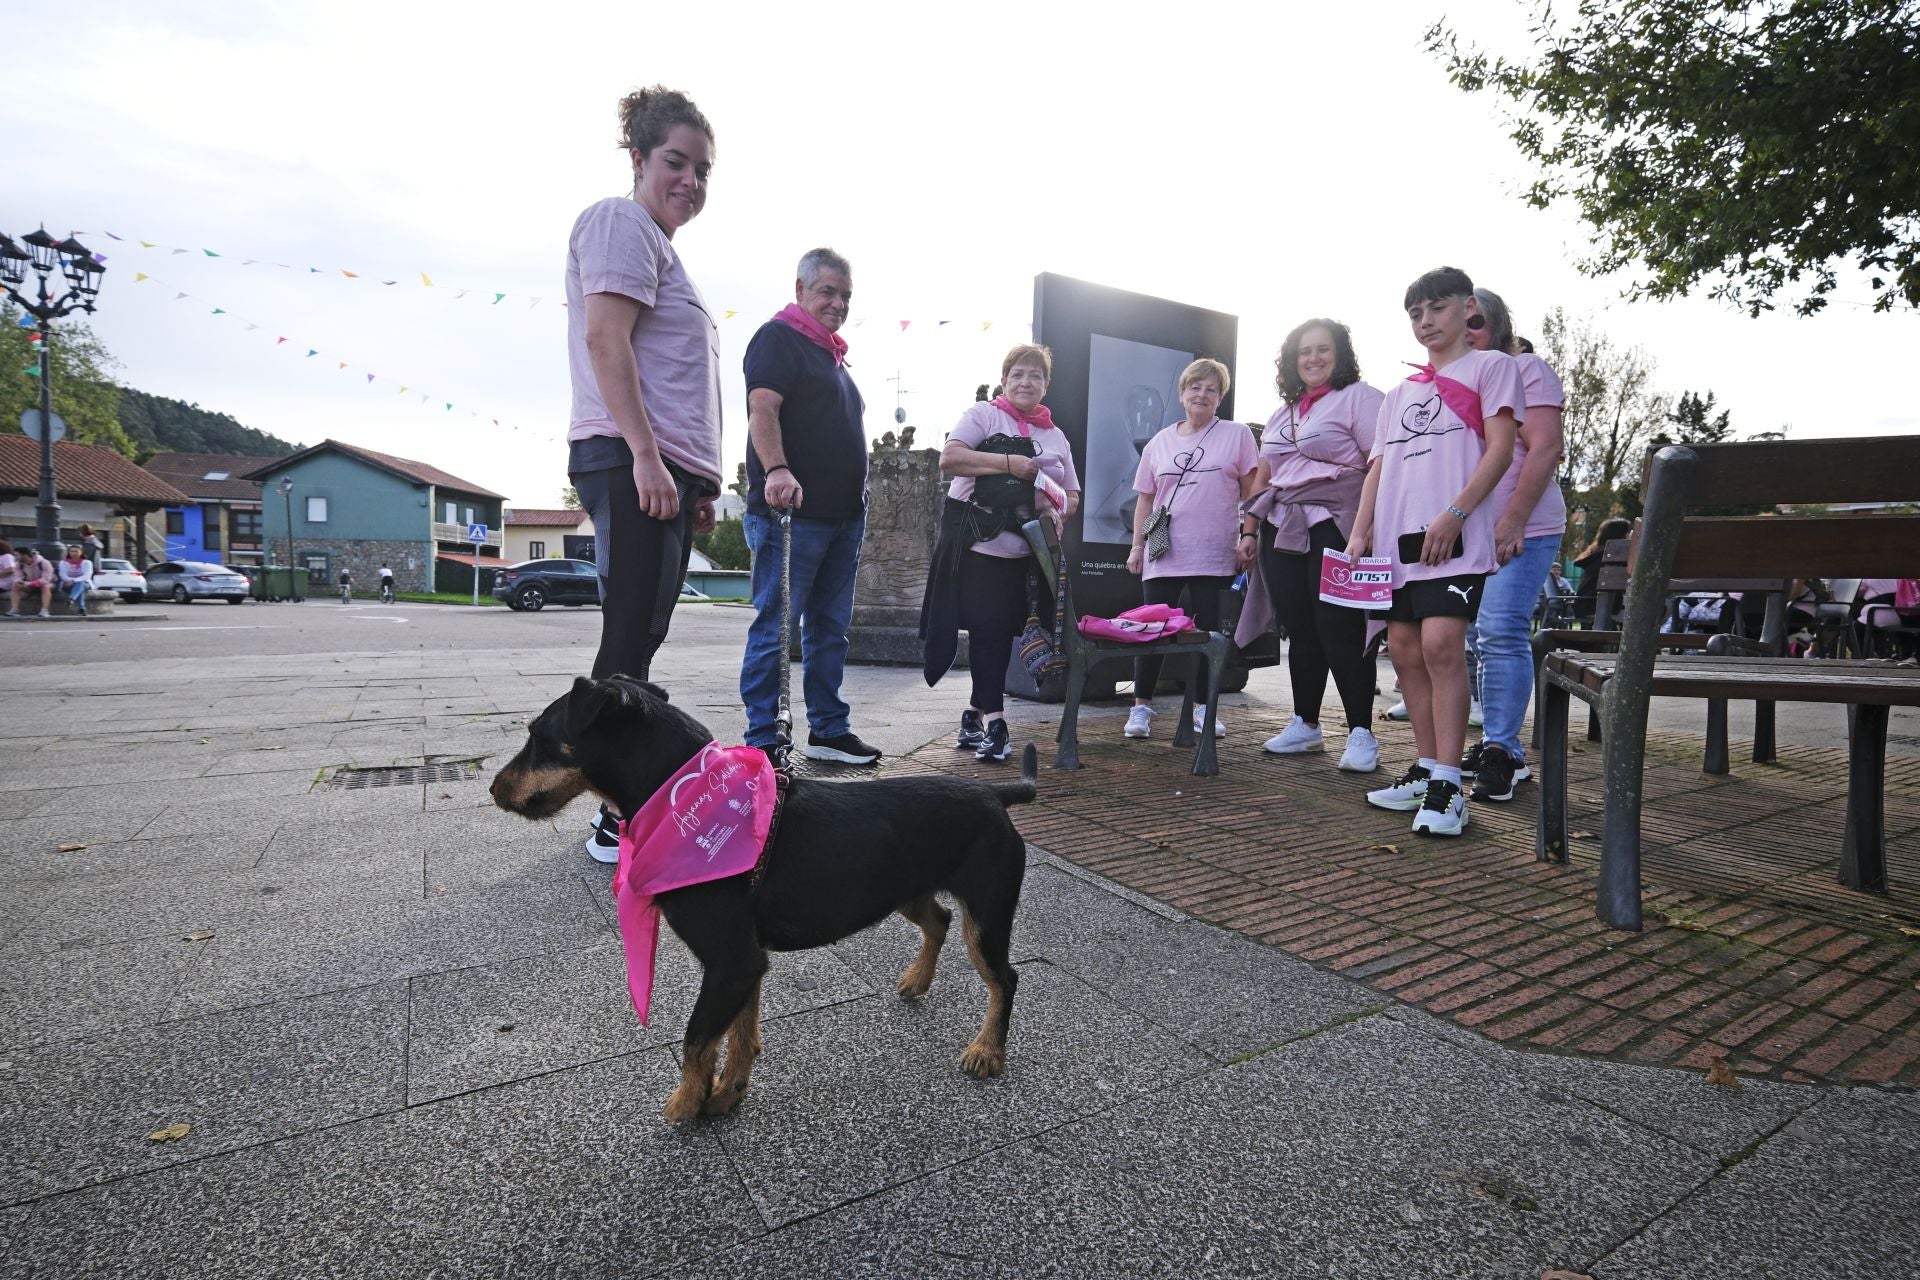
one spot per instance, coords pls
(82, 271)
(286, 491)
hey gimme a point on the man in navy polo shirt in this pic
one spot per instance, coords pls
(806, 453)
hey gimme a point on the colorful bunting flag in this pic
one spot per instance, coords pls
(138, 276)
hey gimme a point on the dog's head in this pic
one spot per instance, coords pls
(616, 737)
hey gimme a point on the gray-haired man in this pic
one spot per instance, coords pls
(806, 453)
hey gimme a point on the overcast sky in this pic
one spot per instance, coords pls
(1262, 160)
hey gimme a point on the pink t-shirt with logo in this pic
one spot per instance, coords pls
(1427, 455)
(616, 247)
(1056, 462)
(1197, 477)
(1336, 435)
(1541, 387)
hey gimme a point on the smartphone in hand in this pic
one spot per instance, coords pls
(1411, 545)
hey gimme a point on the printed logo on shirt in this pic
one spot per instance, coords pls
(1422, 420)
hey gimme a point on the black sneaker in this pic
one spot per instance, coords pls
(996, 746)
(972, 733)
(604, 844)
(1495, 780)
(843, 748)
(1470, 762)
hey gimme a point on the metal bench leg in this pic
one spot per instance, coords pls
(1206, 761)
(1554, 706)
(1763, 752)
(1863, 850)
(1593, 722)
(1539, 647)
(1716, 759)
(1625, 765)
(1183, 732)
(1068, 736)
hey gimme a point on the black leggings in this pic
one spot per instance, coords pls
(1320, 636)
(993, 609)
(1203, 606)
(642, 562)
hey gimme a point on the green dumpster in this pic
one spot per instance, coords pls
(273, 582)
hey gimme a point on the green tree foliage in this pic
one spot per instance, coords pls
(82, 394)
(726, 546)
(570, 498)
(158, 424)
(1612, 409)
(1695, 422)
(1756, 144)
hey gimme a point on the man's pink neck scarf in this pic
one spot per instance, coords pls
(1457, 396)
(1041, 416)
(1313, 396)
(796, 318)
(708, 821)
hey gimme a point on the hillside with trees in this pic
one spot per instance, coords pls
(157, 424)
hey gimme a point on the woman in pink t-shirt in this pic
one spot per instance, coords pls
(643, 439)
(988, 596)
(1313, 463)
(1198, 471)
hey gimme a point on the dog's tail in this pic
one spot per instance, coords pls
(1023, 791)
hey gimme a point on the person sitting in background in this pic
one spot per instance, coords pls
(76, 578)
(1588, 562)
(9, 573)
(33, 573)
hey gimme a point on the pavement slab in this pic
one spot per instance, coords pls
(1831, 1194)
(59, 994)
(80, 1111)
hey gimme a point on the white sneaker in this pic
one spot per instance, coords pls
(1404, 795)
(1200, 721)
(1475, 717)
(1443, 810)
(1297, 737)
(1362, 754)
(1398, 711)
(1140, 722)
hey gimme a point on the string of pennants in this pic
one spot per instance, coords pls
(425, 280)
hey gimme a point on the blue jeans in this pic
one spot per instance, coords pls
(1502, 636)
(826, 555)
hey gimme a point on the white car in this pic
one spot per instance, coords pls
(120, 576)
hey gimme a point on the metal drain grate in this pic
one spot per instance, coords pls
(412, 775)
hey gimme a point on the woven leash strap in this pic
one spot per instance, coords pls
(783, 716)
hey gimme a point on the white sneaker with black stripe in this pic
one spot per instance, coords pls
(1443, 811)
(604, 844)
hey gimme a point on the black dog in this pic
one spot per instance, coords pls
(845, 855)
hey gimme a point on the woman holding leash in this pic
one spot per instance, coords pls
(644, 438)
(1313, 463)
(1013, 436)
(1192, 478)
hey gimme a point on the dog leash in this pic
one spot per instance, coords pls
(783, 715)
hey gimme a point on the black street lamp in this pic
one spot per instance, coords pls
(82, 271)
(286, 491)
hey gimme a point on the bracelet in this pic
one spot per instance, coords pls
(1250, 535)
(1456, 512)
(779, 466)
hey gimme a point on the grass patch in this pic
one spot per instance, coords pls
(442, 597)
(1341, 1021)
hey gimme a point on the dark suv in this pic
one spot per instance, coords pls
(534, 584)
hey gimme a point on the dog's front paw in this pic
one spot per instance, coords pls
(683, 1105)
(726, 1097)
(983, 1062)
(915, 981)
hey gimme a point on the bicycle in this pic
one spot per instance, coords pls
(346, 592)
(386, 591)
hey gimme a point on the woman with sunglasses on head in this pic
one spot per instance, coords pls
(1313, 464)
(644, 439)
(1527, 531)
(1192, 478)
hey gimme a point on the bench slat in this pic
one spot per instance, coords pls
(1865, 682)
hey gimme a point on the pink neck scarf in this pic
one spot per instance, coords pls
(1313, 396)
(797, 319)
(1041, 416)
(1457, 396)
(708, 821)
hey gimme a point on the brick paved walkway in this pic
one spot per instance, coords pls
(1751, 950)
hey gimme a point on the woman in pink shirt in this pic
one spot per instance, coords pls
(989, 591)
(1198, 471)
(644, 434)
(1313, 463)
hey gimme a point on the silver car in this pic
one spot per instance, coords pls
(120, 576)
(184, 581)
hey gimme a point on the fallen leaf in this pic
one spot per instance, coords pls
(72, 848)
(1581, 835)
(1693, 925)
(1383, 848)
(1911, 933)
(198, 935)
(203, 741)
(1558, 1274)
(446, 795)
(1722, 1074)
(172, 1133)
(269, 748)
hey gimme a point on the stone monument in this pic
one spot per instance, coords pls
(904, 493)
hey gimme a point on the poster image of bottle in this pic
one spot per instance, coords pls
(1133, 390)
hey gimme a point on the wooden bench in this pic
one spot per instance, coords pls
(1083, 655)
(1675, 547)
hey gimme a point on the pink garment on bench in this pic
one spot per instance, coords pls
(1143, 625)
(708, 821)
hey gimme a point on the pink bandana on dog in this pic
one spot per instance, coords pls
(1457, 396)
(708, 821)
